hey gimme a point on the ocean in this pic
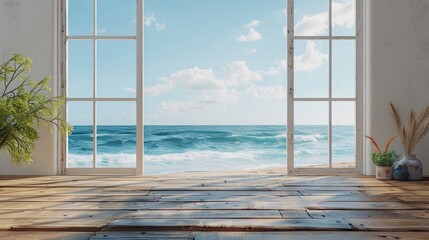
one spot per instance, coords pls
(170, 149)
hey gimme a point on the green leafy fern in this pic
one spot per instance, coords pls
(24, 108)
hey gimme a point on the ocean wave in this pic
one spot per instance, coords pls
(308, 138)
(204, 155)
(103, 160)
(117, 143)
(307, 152)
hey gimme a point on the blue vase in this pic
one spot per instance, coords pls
(414, 167)
(400, 173)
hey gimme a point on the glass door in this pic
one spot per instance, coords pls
(103, 74)
(325, 86)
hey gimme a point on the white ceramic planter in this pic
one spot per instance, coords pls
(383, 172)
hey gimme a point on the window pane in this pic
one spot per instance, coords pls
(79, 69)
(311, 137)
(80, 142)
(80, 17)
(344, 68)
(343, 18)
(343, 134)
(311, 69)
(116, 134)
(116, 17)
(116, 68)
(311, 17)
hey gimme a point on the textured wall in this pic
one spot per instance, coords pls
(28, 27)
(398, 66)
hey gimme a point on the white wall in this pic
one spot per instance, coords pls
(398, 67)
(27, 27)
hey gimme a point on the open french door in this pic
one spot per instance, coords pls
(325, 87)
(102, 78)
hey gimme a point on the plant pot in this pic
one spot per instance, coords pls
(414, 166)
(400, 173)
(383, 172)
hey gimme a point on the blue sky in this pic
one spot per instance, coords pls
(209, 62)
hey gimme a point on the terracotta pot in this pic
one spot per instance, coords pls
(382, 172)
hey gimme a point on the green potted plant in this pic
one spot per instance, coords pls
(383, 161)
(411, 134)
(24, 108)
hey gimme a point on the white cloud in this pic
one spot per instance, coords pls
(178, 106)
(205, 86)
(266, 93)
(272, 71)
(253, 51)
(192, 79)
(311, 59)
(314, 25)
(343, 13)
(148, 21)
(252, 24)
(129, 89)
(160, 26)
(200, 102)
(151, 20)
(281, 67)
(159, 88)
(101, 30)
(238, 73)
(197, 79)
(252, 34)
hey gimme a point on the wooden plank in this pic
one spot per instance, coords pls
(385, 191)
(390, 224)
(213, 214)
(310, 188)
(414, 198)
(224, 193)
(325, 235)
(364, 214)
(242, 205)
(72, 191)
(330, 193)
(14, 235)
(420, 213)
(125, 235)
(363, 206)
(273, 198)
(79, 198)
(228, 224)
(64, 214)
(52, 224)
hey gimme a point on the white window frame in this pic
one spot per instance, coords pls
(358, 99)
(64, 38)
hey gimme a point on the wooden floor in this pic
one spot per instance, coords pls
(236, 205)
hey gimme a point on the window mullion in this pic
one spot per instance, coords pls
(139, 87)
(330, 83)
(290, 87)
(94, 86)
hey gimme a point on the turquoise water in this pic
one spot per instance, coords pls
(208, 148)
